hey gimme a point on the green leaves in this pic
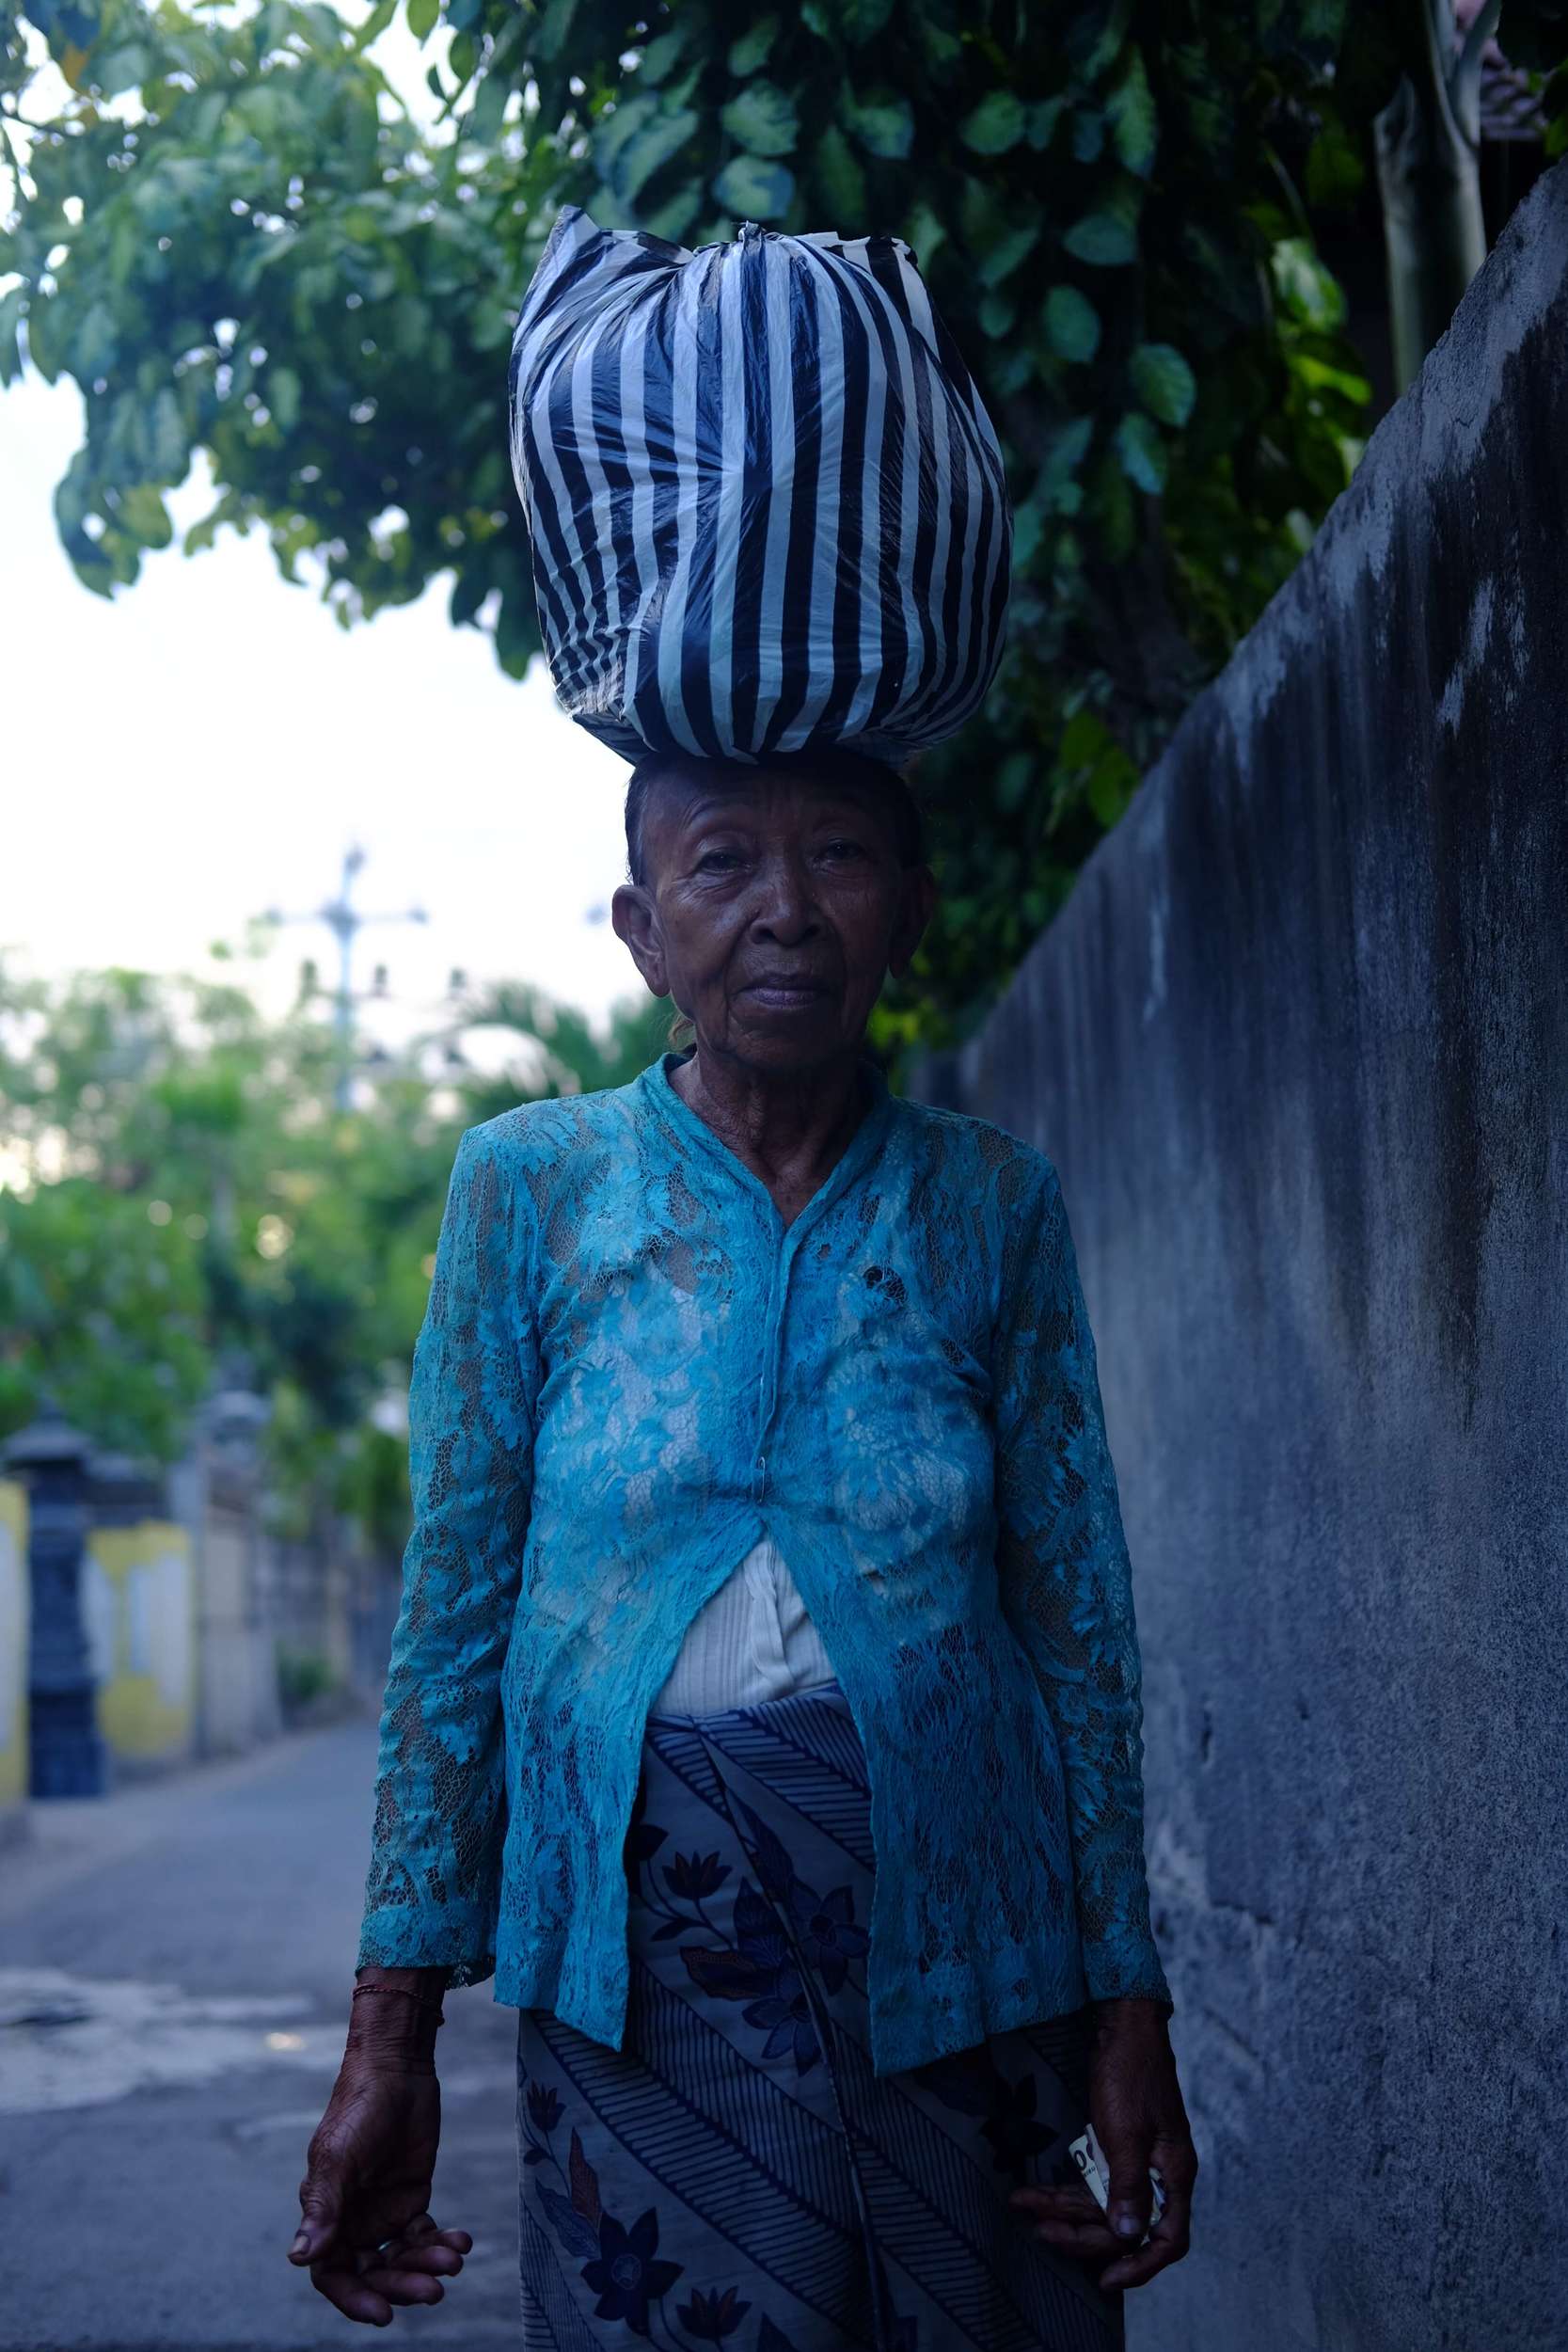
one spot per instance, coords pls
(1135, 124)
(1066, 451)
(1091, 764)
(1013, 779)
(1040, 122)
(143, 514)
(1094, 193)
(661, 57)
(673, 218)
(517, 630)
(1141, 452)
(1335, 172)
(763, 119)
(1002, 255)
(484, 120)
(166, 441)
(1103, 240)
(1163, 382)
(242, 1210)
(1072, 323)
(95, 345)
(883, 122)
(284, 391)
(753, 49)
(651, 149)
(638, 140)
(106, 1307)
(375, 23)
(751, 188)
(841, 176)
(854, 22)
(995, 124)
(10, 314)
(1304, 287)
(555, 27)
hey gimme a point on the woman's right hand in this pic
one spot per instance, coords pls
(365, 2232)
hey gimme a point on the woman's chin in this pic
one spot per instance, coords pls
(781, 1037)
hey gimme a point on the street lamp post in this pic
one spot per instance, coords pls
(344, 920)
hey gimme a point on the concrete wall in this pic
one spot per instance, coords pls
(238, 1700)
(1299, 1047)
(138, 1606)
(14, 1618)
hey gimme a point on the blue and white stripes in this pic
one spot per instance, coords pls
(767, 505)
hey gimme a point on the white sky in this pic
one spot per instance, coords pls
(206, 746)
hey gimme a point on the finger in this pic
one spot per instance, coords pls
(423, 2226)
(349, 2294)
(459, 2241)
(1066, 2201)
(1054, 2195)
(1168, 2243)
(1084, 2231)
(1090, 2241)
(398, 2283)
(1130, 2205)
(321, 2207)
(1066, 2216)
(1169, 2237)
(435, 2261)
(1135, 2271)
(421, 2236)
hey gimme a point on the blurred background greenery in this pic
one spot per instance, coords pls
(188, 1204)
(1192, 252)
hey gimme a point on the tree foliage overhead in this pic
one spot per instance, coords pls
(1113, 202)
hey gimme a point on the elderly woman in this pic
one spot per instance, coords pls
(764, 1710)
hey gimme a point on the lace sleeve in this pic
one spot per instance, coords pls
(1066, 1580)
(440, 1804)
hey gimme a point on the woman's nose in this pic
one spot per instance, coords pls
(785, 909)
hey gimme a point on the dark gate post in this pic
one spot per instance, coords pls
(68, 1755)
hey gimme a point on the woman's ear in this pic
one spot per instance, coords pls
(917, 903)
(635, 919)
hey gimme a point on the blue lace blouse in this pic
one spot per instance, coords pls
(629, 1371)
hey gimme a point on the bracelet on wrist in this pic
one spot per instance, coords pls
(404, 1993)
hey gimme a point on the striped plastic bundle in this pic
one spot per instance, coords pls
(766, 506)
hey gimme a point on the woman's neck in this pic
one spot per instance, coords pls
(791, 1129)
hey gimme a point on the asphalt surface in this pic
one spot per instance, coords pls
(175, 1965)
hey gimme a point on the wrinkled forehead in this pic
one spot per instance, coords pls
(687, 797)
(672, 793)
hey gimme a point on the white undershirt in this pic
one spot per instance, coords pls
(753, 1641)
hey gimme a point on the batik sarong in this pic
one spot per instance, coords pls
(737, 2175)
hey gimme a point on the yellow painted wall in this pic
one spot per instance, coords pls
(13, 1642)
(138, 1604)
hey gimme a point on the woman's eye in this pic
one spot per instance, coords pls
(845, 850)
(717, 861)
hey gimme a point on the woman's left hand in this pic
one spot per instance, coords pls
(1140, 2120)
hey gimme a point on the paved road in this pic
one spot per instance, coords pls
(174, 1966)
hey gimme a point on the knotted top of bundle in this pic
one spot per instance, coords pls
(767, 505)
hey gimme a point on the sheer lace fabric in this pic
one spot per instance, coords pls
(631, 1372)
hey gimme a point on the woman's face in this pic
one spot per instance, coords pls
(772, 907)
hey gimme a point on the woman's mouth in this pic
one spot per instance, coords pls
(782, 992)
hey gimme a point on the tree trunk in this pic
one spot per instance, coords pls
(1428, 140)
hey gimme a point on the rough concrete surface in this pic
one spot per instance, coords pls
(1298, 1045)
